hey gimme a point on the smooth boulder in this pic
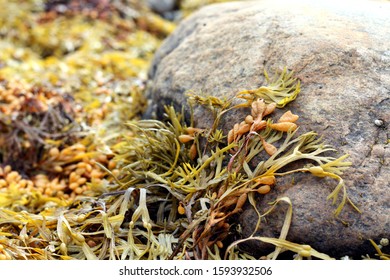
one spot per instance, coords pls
(340, 51)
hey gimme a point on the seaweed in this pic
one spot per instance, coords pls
(211, 187)
(28, 120)
(166, 201)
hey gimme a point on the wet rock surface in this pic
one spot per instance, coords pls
(341, 54)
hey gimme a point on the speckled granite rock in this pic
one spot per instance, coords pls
(341, 52)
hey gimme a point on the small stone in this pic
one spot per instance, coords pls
(161, 6)
(379, 123)
(384, 242)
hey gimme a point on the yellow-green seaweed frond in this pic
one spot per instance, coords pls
(281, 89)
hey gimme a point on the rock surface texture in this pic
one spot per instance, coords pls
(341, 53)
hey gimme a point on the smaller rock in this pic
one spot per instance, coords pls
(162, 6)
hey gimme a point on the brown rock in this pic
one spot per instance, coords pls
(341, 53)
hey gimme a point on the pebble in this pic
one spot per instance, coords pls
(161, 6)
(379, 123)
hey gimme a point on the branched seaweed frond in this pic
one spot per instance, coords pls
(281, 89)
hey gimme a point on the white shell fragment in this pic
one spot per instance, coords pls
(378, 123)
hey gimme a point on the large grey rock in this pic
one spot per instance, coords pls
(341, 53)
